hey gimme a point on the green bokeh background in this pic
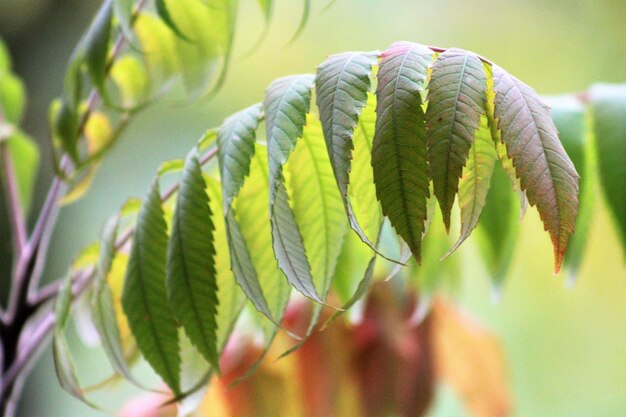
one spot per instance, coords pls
(566, 347)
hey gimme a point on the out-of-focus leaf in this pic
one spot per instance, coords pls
(159, 50)
(434, 274)
(286, 104)
(399, 149)
(98, 132)
(123, 11)
(63, 363)
(471, 360)
(80, 187)
(97, 46)
(306, 11)
(130, 76)
(164, 14)
(609, 118)
(66, 130)
(191, 275)
(572, 122)
(145, 296)
(342, 84)
(456, 100)
(544, 169)
(103, 308)
(498, 228)
(208, 43)
(266, 8)
(24, 155)
(12, 97)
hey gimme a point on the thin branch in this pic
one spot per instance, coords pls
(18, 224)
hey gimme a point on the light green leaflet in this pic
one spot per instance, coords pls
(236, 146)
(251, 208)
(287, 102)
(317, 207)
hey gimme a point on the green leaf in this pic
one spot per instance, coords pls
(287, 101)
(25, 158)
(164, 14)
(123, 11)
(130, 76)
(266, 8)
(342, 84)
(159, 51)
(235, 141)
(64, 365)
(97, 46)
(191, 275)
(574, 125)
(231, 299)
(399, 148)
(456, 100)
(544, 169)
(475, 181)
(144, 298)
(608, 103)
(209, 43)
(12, 97)
(318, 208)
(66, 129)
(498, 228)
(103, 310)
(251, 208)
(306, 12)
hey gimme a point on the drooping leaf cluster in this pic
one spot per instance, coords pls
(132, 54)
(413, 127)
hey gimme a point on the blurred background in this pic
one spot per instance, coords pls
(566, 347)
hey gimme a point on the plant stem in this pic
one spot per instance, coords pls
(18, 225)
